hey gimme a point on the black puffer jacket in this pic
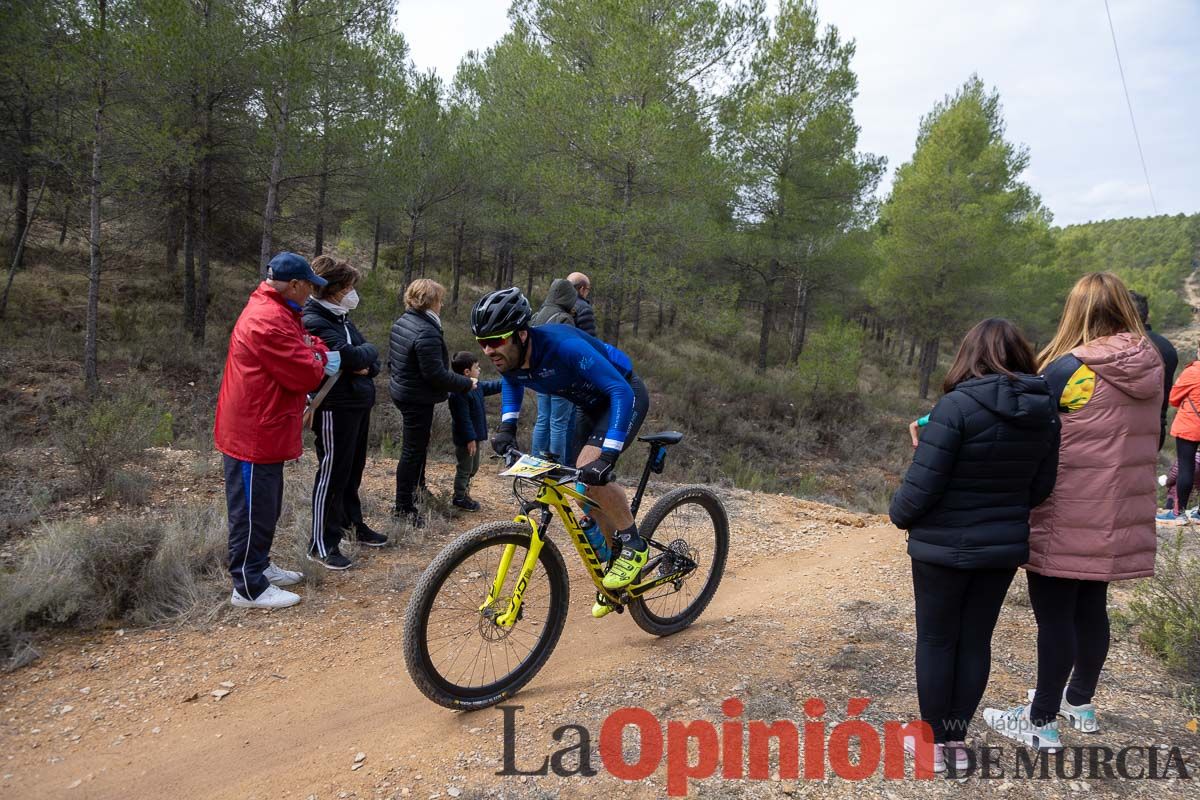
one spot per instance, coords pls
(419, 362)
(338, 332)
(585, 317)
(559, 308)
(987, 457)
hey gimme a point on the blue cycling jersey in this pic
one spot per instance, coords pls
(566, 362)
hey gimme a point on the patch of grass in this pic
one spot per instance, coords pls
(128, 488)
(1166, 609)
(140, 570)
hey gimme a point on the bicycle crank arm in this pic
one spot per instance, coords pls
(640, 589)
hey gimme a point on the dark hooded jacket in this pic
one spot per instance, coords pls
(988, 456)
(585, 318)
(559, 308)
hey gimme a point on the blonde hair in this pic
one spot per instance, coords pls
(423, 294)
(1098, 306)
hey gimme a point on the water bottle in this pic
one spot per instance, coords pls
(595, 537)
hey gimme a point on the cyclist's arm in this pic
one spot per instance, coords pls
(511, 395)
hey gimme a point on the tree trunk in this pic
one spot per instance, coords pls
(768, 317)
(22, 216)
(171, 259)
(322, 190)
(189, 251)
(66, 221)
(200, 311)
(375, 243)
(637, 308)
(91, 373)
(659, 325)
(424, 253)
(20, 248)
(799, 322)
(410, 249)
(477, 274)
(912, 350)
(457, 259)
(271, 209)
(928, 363)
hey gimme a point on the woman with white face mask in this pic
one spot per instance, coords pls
(342, 422)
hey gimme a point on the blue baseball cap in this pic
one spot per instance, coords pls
(287, 266)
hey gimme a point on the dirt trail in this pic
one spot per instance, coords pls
(816, 602)
(1188, 337)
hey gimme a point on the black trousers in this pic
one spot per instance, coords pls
(253, 501)
(1185, 452)
(1072, 641)
(341, 439)
(956, 614)
(410, 470)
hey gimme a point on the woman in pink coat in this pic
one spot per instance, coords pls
(1097, 526)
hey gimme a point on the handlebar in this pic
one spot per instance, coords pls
(560, 470)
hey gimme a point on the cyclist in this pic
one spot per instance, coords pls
(563, 361)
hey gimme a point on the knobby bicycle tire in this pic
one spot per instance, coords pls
(704, 497)
(416, 647)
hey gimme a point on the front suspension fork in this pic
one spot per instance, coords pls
(512, 613)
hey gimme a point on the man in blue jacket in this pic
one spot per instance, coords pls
(612, 401)
(468, 417)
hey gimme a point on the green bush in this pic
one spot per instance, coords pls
(101, 436)
(829, 367)
(1166, 609)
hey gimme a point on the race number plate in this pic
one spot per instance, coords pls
(529, 467)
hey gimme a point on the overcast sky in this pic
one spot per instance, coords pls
(1053, 63)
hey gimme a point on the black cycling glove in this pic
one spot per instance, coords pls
(600, 471)
(505, 438)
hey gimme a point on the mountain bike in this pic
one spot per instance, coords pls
(488, 611)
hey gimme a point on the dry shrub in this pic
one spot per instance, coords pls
(136, 570)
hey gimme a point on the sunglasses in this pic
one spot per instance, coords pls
(495, 341)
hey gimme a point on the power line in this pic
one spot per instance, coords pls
(1129, 104)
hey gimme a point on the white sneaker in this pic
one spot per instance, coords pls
(282, 577)
(957, 753)
(1082, 718)
(939, 759)
(1016, 724)
(273, 597)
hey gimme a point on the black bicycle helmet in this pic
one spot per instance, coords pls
(499, 312)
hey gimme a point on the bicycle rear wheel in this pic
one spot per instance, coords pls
(455, 652)
(691, 523)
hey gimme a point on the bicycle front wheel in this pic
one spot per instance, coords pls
(458, 654)
(691, 524)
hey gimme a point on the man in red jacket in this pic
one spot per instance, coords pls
(272, 366)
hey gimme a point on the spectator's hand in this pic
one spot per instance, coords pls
(333, 362)
(505, 439)
(913, 428)
(363, 371)
(600, 471)
(474, 384)
(472, 449)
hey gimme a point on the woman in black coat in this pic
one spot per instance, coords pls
(420, 379)
(988, 455)
(342, 422)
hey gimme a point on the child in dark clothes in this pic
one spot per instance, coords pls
(468, 417)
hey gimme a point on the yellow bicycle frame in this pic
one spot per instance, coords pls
(556, 496)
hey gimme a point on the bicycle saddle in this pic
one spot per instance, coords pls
(666, 437)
